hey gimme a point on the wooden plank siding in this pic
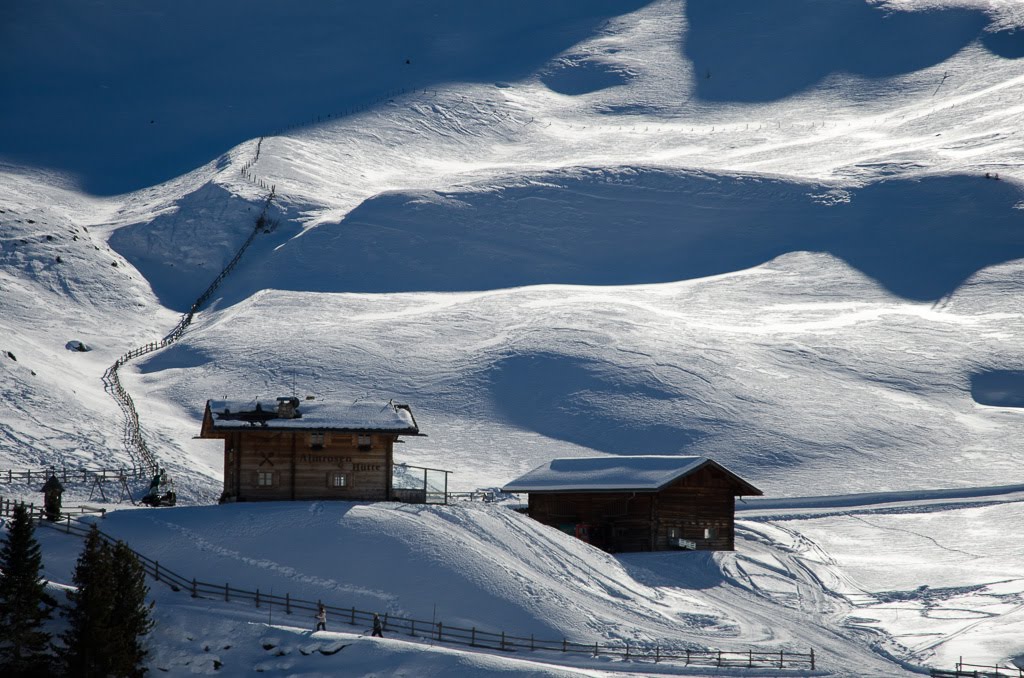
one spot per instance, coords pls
(302, 465)
(699, 507)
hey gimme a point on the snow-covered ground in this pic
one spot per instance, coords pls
(755, 232)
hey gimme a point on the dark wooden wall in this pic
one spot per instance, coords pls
(700, 507)
(302, 467)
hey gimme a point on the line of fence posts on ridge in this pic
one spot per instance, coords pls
(436, 631)
(964, 670)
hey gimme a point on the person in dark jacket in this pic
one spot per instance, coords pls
(378, 628)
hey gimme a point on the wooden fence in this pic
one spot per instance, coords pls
(963, 670)
(74, 475)
(146, 465)
(134, 442)
(435, 630)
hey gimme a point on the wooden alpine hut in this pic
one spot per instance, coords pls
(637, 503)
(287, 449)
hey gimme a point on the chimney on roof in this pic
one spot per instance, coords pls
(288, 407)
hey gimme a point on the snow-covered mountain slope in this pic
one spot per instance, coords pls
(492, 568)
(792, 584)
(761, 233)
(135, 96)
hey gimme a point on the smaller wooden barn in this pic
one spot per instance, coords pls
(637, 503)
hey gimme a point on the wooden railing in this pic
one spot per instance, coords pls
(134, 441)
(76, 475)
(146, 465)
(964, 670)
(435, 630)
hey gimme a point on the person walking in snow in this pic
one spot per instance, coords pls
(378, 628)
(321, 618)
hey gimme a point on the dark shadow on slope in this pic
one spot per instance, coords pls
(755, 51)
(174, 357)
(583, 76)
(581, 401)
(694, 570)
(1008, 44)
(998, 388)
(125, 96)
(183, 250)
(920, 239)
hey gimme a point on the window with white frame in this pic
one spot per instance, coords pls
(365, 441)
(339, 480)
(316, 439)
(265, 478)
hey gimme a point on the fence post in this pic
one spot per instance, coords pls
(287, 604)
(226, 593)
(595, 649)
(472, 637)
(257, 597)
(563, 644)
(687, 657)
(627, 650)
(531, 642)
(502, 646)
(812, 659)
(657, 654)
(67, 530)
(719, 657)
(194, 595)
(352, 620)
(412, 629)
(750, 659)
(440, 631)
(156, 570)
(782, 659)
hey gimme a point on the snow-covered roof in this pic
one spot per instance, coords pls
(314, 414)
(641, 473)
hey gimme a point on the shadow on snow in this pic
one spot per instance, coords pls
(755, 51)
(113, 94)
(920, 239)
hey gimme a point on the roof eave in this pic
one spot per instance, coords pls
(330, 429)
(615, 490)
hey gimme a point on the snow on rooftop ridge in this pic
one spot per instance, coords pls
(638, 472)
(290, 412)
